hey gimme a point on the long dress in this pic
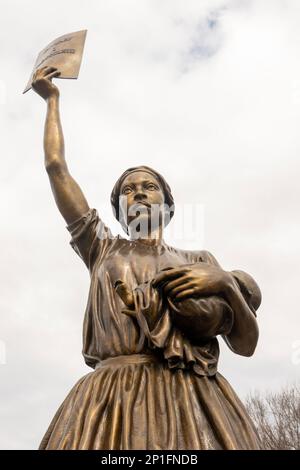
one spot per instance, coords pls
(151, 388)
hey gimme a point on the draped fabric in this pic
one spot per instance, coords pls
(153, 386)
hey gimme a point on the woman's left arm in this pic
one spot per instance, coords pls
(244, 296)
(208, 278)
(243, 337)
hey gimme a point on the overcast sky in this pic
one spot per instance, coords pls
(208, 93)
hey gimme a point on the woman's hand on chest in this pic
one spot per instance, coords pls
(192, 280)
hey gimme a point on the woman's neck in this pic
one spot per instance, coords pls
(154, 238)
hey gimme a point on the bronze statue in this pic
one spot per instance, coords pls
(152, 320)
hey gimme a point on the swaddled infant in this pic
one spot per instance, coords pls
(198, 318)
(202, 318)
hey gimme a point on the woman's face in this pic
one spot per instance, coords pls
(141, 200)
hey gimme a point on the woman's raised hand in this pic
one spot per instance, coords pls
(42, 82)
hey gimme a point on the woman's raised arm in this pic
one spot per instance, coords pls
(69, 197)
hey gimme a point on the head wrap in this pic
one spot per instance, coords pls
(115, 194)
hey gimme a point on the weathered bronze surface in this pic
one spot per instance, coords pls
(152, 320)
(64, 53)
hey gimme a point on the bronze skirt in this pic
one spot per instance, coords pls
(137, 402)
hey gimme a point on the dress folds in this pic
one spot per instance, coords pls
(152, 387)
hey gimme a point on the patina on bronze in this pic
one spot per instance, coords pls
(153, 316)
(64, 53)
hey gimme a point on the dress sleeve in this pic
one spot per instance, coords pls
(89, 237)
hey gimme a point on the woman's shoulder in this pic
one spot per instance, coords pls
(195, 256)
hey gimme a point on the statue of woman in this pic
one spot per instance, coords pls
(151, 323)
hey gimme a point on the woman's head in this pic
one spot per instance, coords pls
(142, 193)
